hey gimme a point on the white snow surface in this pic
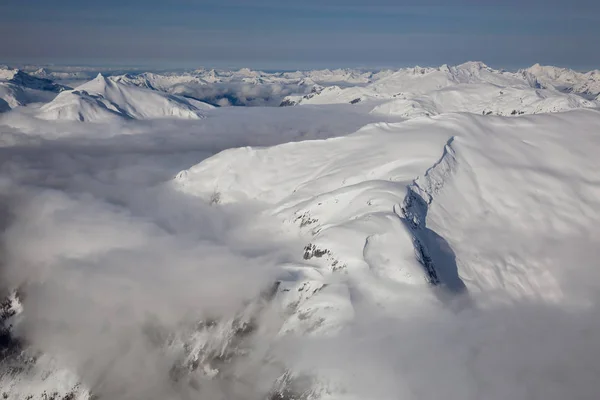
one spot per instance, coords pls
(566, 79)
(18, 88)
(104, 99)
(436, 239)
(332, 183)
(483, 99)
(470, 87)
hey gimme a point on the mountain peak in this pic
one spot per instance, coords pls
(473, 65)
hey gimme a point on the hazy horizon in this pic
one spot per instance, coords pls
(137, 68)
(283, 35)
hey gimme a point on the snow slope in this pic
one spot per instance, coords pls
(157, 81)
(25, 80)
(79, 105)
(489, 196)
(18, 88)
(103, 99)
(504, 164)
(504, 190)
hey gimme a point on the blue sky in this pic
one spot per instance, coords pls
(285, 34)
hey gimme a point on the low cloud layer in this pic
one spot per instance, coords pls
(522, 350)
(100, 274)
(96, 276)
(112, 262)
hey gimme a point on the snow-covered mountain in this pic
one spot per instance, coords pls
(418, 234)
(67, 75)
(104, 99)
(250, 87)
(245, 86)
(162, 82)
(475, 184)
(470, 87)
(18, 88)
(563, 79)
(483, 99)
(18, 77)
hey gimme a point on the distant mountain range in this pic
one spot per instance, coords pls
(409, 92)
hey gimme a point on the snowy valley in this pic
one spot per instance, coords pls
(347, 234)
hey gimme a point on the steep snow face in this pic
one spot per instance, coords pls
(25, 80)
(506, 190)
(16, 95)
(160, 82)
(79, 105)
(564, 79)
(12, 95)
(103, 99)
(18, 88)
